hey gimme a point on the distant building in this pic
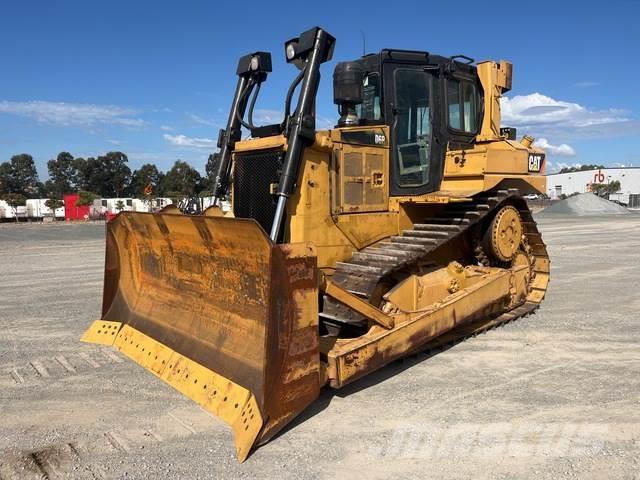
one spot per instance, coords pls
(580, 182)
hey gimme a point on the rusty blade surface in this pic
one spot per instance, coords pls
(219, 292)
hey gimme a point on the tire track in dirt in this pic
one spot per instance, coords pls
(58, 366)
(83, 458)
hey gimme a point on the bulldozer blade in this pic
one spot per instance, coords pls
(212, 307)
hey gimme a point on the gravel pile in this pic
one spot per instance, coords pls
(583, 205)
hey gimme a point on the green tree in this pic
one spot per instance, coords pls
(605, 189)
(62, 174)
(20, 176)
(108, 175)
(41, 190)
(80, 167)
(119, 205)
(115, 164)
(53, 203)
(25, 175)
(85, 198)
(144, 178)
(181, 180)
(15, 200)
(580, 168)
(175, 197)
(6, 178)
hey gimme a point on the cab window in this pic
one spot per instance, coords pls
(470, 107)
(453, 100)
(463, 105)
(370, 109)
(412, 127)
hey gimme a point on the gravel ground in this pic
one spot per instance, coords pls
(553, 395)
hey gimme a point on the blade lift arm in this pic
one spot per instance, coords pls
(309, 51)
(252, 71)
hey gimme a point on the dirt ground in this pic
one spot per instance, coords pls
(553, 395)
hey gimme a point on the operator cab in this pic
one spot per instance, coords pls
(427, 101)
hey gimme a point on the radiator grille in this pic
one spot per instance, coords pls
(253, 174)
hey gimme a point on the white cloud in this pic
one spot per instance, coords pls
(166, 128)
(563, 149)
(560, 121)
(189, 142)
(537, 110)
(265, 116)
(166, 158)
(203, 121)
(73, 114)
(324, 123)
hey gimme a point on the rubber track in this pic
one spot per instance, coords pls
(369, 266)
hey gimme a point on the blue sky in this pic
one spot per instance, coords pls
(154, 79)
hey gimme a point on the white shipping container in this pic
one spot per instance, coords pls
(110, 205)
(151, 205)
(225, 205)
(102, 206)
(5, 210)
(159, 203)
(37, 208)
(98, 207)
(140, 205)
(206, 202)
(620, 197)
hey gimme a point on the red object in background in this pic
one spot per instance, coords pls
(111, 216)
(72, 211)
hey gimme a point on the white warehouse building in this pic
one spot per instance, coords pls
(580, 182)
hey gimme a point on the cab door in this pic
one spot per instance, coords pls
(416, 157)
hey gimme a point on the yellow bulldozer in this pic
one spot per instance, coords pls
(402, 228)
